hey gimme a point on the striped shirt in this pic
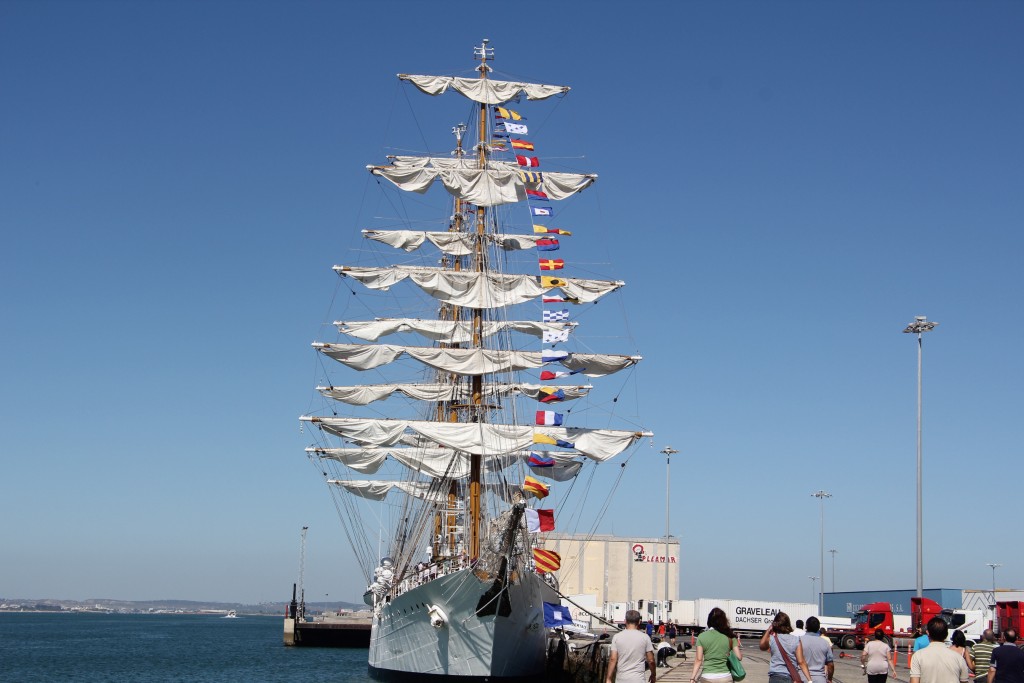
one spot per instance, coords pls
(982, 653)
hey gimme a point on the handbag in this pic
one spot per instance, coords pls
(794, 672)
(735, 665)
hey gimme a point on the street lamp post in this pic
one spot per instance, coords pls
(993, 565)
(814, 586)
(668, 451)
(833, 551)
(821, 496)
(920, 325)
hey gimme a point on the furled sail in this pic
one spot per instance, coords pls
(378, 490)
(448, 331)
(478, 437)
(443, 462)
(498, 183)
(479, 290)
(453, 243)
(473, 361)
(364, 394)
(484, 90)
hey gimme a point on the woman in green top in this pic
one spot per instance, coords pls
(713, 647)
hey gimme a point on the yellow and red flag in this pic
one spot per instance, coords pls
(546, 560)
(551, 263)
(522, 144)
(535, 487)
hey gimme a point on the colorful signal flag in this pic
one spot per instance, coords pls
(546, 560)
(549, 418)
(535, 487)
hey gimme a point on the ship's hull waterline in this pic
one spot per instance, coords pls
(404, 645)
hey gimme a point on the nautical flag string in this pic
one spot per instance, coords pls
(546, 560)
(551, 395)
(556, 616)
(549, 418)
(558, 374)
(555, 316)
(502, 113)
(544, 230)
(552, 441)
(547, 281)
(539, 520)
(550, 337)
(534, 486)
(540, 460)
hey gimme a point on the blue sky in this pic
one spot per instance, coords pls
(783, 185)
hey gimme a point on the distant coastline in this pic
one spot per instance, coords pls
(109, 606)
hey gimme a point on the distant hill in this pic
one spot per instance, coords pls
(166, 605)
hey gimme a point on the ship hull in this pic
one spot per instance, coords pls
(405, 645)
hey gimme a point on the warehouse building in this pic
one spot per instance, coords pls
(616, 568)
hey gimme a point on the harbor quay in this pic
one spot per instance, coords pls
(680, 669)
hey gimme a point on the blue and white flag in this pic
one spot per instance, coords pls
(555, 337)
(542, 211)
(555, 316)
(551, 355)
(517, 128)
(556, 616)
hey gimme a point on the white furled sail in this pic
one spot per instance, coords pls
(479, 290)
(447, 331)
(484, 91)
(497, 184)
(452, 243)
(474, 361)
(444, 462)
(378, 490)
(480, 438)
(364, 394)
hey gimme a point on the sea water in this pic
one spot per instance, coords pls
(144, 648)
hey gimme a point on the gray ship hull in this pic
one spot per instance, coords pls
(405, 645)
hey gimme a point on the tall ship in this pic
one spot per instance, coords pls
(442, 464)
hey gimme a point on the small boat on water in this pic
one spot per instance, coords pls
(231, 615)
(463, 586)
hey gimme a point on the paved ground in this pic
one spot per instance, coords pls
(756, 663)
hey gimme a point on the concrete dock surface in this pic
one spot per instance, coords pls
(756, 664)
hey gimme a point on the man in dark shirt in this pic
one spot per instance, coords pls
(1007, 661)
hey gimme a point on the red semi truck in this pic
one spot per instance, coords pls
(1008, 615)
(878, 615)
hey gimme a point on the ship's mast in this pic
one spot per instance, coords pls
(483, 53)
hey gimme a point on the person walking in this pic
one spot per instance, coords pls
(817, 653)
(877, 658)
(935, 663)
(670, 632)
(632, 652)
(959, 646)
(981, 652)
(779, 639)
(713, 648)
(1007, 664)
(798, 630)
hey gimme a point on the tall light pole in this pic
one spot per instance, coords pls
(821, 496)
(833, 551)
(814, 586)
(993, 565)
(920, 325)
(668, 451)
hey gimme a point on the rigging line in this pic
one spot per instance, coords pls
(416, 120)
(584, 609)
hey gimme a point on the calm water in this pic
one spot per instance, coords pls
(163, 647)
